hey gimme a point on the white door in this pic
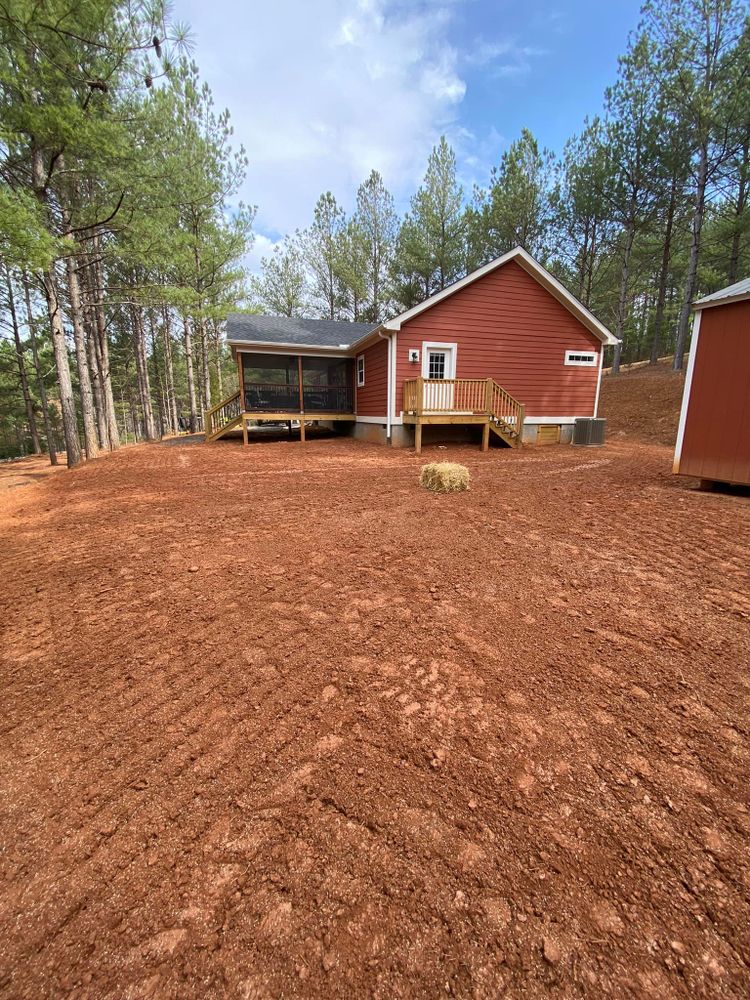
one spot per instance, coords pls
(438, 363)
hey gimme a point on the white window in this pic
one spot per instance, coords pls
(585, 359)
(360, 370)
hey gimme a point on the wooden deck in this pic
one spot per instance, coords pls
(463, 401)
(228, 415)
(426, 401)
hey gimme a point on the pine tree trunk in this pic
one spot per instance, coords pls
(666, 259)
(734, 256)
(205, 367)
(692, 270)
(48, 432)
(62, 366)
(141, 365)
(169, 366)
(100, 405)
(590, 267)
(159, 378)
(91, 443)
(190, 375)
(39, 180)
(622, 299)
(217, 345)
(102, 345)
(27, 400)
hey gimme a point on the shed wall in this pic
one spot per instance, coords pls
(716, 441)
(508, 327)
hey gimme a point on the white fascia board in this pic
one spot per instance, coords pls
(536, 271)
(686, 392)
(265, 348)
(727, 300)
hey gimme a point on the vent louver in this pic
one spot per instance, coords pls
(589, 431)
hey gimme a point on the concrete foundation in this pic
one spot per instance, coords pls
(402, 435)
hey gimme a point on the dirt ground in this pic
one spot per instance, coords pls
(643, 404)
(278, 723)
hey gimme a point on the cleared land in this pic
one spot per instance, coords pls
(277, 722)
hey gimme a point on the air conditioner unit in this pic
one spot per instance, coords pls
(589, 431)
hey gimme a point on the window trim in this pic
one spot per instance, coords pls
(578, 363)
(360, 372)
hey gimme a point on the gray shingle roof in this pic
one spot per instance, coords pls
(247, 328)
(739, 290)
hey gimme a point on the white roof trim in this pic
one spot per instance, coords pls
(539, 273)
(272, 345)
(349, 351)
(725, 300)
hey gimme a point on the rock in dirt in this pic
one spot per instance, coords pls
(551, 950)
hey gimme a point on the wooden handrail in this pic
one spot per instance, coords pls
(223, 403)
(210, 423)
(457, 396)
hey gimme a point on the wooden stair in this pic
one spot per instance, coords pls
(223, 417)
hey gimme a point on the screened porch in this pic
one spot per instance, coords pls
(293, 383)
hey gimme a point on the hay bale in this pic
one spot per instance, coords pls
(444, 477)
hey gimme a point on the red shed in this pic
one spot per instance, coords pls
(713, 439)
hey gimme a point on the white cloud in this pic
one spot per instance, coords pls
(321, 93)
(503, 58)
(262, 247)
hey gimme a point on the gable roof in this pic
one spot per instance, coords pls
(328, 334)
(732, 293)
(286, 331)
(532, 267)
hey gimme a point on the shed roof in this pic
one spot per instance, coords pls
(290, 331)
(732, 293)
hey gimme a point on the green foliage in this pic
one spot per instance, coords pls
(518, 206)
(432, 240)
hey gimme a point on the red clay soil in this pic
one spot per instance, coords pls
(643, 404)
(278, 723)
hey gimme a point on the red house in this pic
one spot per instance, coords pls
(507, 349)
(713, 438)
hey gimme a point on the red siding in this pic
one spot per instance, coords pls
(716, 443)
(372, 397)
(509, 328)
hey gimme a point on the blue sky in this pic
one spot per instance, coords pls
(321, 91)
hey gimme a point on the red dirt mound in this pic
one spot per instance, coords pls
(643, 404)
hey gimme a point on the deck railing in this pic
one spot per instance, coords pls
(282, 397)
(223, 413)
(463, 396)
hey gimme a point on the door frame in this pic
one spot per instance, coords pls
(439, 345)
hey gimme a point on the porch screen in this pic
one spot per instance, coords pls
(271, 382)
(327, 385)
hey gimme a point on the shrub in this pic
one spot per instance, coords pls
(444, 477)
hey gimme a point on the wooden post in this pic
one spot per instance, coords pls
(301, 390)
(418, 437)
(486, 436)
(302, 430)
(521, 418)
(420, 398)
(241, 380)
(244, 429)
(488, 396)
